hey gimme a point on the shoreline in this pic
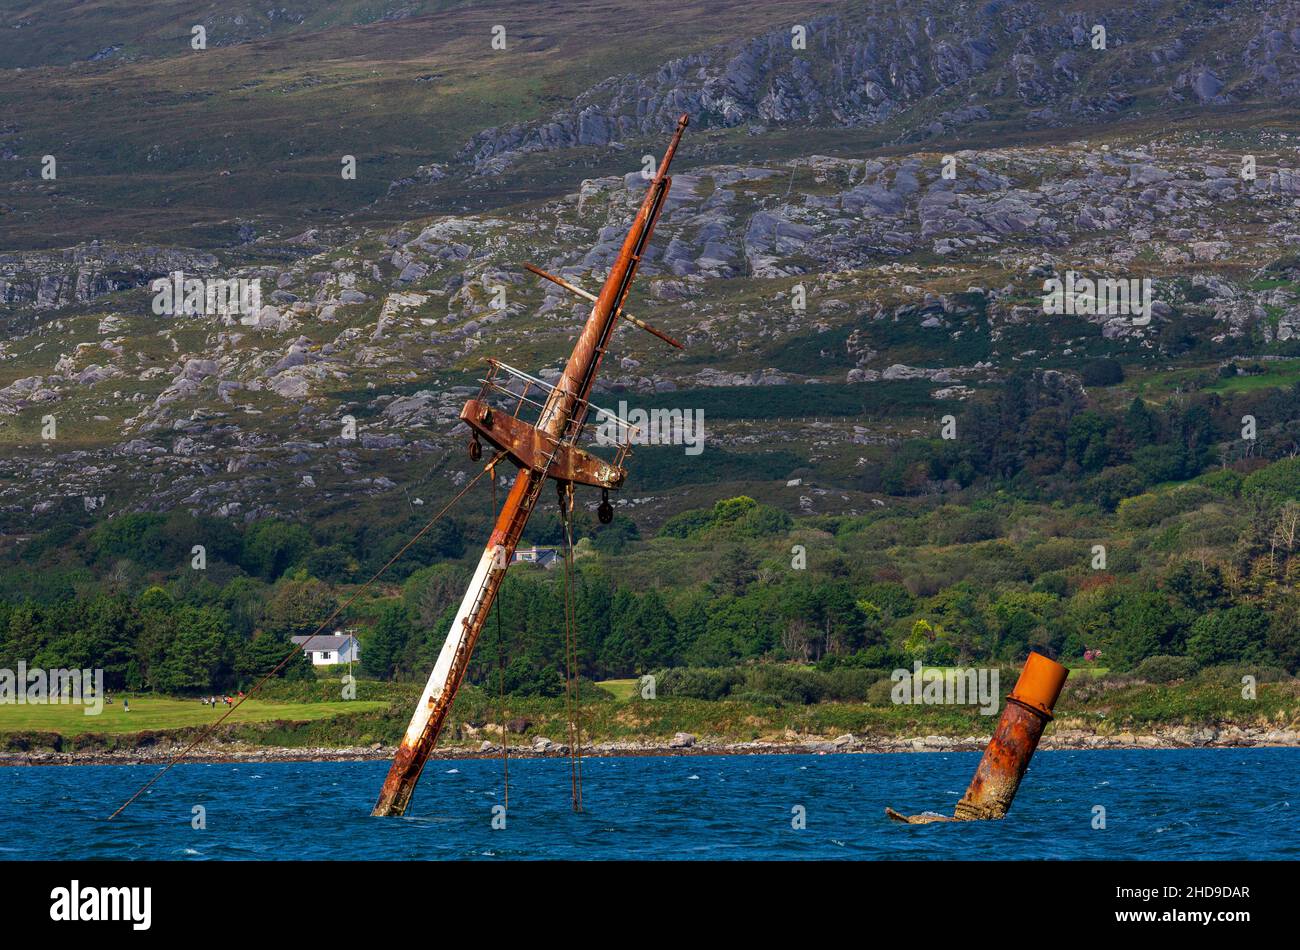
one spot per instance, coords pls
(1174, 737)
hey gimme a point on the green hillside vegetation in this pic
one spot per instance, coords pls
(1065, 527)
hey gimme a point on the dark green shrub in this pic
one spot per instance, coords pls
(759, 698)
(1230, 675)
(848, 685)
(686, 523)
(881, 693)
(792, 684)
(1165, 669)
(1281, 479)
(1102, 372)
(697, 682)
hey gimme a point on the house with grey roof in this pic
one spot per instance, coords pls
(329, 651)
(543, 557)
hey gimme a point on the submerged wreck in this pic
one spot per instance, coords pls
(997, 777)
(536, 427)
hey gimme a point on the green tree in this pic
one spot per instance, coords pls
(763, 521)
(386, 644)
(428, 592)
(736, 571)
(198, 656)
(1223, 636)
(626, 643)
(729, 510)
(1145, 624)
(102, 637)
(1198, 588)
(1281, 480)
(333, 563)
(1141, 425)
(658, 631)
(258, 655)
(1086, 440)
(272, 547)
(135, 536)
(298, 606)
(614, 538)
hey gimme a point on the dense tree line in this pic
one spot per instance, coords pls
(754, 609)
(1203, 567)
(156, 641)
(1042, 437)
(197, 635)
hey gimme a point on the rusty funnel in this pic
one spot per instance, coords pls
(997, 777)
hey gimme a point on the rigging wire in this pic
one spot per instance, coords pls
(501, 673)
(577, 666)
(572, 672)
(568, 679)
(298, 649)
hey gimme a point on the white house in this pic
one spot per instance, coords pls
(543, 557)
(328, 651)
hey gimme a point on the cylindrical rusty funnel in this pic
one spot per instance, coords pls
(997, 777)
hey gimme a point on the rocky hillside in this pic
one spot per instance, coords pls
(857, 239)
(930, 70)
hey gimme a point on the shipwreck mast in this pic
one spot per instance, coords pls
(546, 449)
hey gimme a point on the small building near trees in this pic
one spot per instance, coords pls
(323, 650)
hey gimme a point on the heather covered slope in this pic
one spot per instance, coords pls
(855, 253)
(162, 142)
(920, 297)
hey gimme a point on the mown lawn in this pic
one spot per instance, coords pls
(1275, 374)
(155, 713)
(619, 689)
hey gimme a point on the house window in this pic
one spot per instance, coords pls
(325, 655)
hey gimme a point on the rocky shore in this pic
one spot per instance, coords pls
(1171, 737)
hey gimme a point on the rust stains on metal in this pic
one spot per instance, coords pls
(997, 777)
(430, 713)
(529, 448)
(545, 449)
(586, 295)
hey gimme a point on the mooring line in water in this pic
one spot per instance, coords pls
(501, 671)
(572, 671)
(297, 649)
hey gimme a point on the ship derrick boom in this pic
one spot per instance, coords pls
(542, 450)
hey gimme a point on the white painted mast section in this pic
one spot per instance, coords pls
(455, 638)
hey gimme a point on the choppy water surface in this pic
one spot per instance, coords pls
(1170, 804)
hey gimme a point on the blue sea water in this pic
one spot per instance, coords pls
(1159, 804)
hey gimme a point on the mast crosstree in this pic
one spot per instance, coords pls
(544, 449)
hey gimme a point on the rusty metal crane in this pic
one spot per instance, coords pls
(543, 449)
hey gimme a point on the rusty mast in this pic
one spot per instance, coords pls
(545, 449)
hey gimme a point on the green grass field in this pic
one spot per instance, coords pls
(619, 689)
(1276, 374)
(1088, 702)
(156, 713)
(1161, 384)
